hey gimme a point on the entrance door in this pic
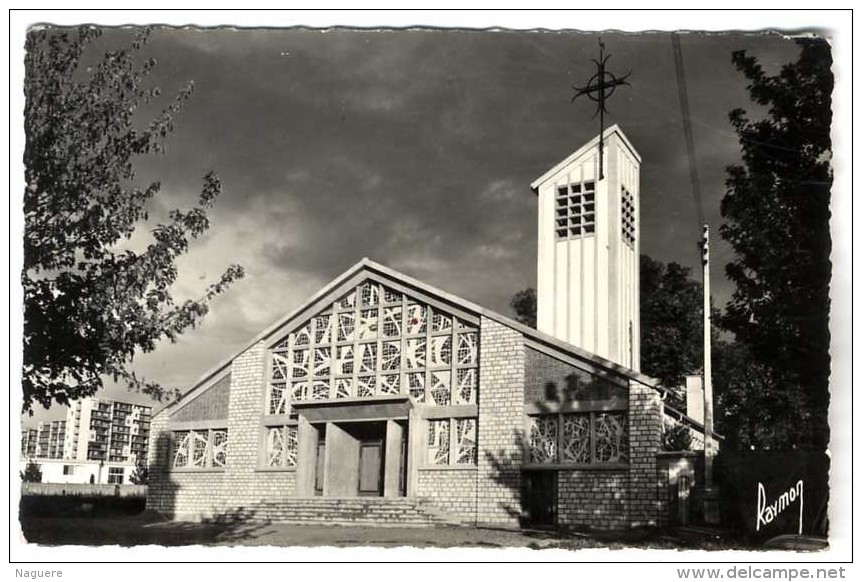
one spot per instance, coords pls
(371, 468)
(539, 499)
(319, 468)
(402, 465)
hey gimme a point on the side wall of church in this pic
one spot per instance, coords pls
(228, 492)
(180, 495)
(501, 424)
(618, 498)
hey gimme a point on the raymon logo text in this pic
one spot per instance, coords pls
(767, 512)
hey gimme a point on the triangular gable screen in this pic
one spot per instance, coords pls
(376, 341)
(212, 404)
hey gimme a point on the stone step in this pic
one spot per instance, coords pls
(377, 511)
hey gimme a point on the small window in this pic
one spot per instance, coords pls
(115, 475)
(200, 448)
(452, 442)
(575, 215)
(281, 446)
(68, 470)
(627, 216)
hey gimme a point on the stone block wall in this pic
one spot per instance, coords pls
(501, 424)
(597, 499)
(451, 490)
(190, 496)
(198, 494)
(646, 495)
(159, 491)
(244, 483)
(185, 495)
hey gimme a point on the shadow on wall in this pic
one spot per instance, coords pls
(532, 506)
(162, 491)
(230, 525)
(502, 466)
(577, 497)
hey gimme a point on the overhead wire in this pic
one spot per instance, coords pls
(686, 123)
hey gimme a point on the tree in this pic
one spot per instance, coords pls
(675, 437)
(754, 408)
(671, 303)
(89, 305)
(777, 220)
(32, 473)
(141, 474)
(671, 310)
(523, 303)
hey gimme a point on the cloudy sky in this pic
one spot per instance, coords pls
(415, 148)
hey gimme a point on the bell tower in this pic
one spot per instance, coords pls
(588, 290)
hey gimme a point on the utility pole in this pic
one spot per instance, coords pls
(710, 499)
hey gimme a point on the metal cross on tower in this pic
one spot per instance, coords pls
(598, 89)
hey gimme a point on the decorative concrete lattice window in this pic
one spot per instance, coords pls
(440, 383)
(466, 389)
(452, 441)
(323, 329)
(543, 439)
(588, 438)
(465, 431)
(627, 216)
(416, 386)
(376, 341)
(575, 210)
(200, 449)
(278, 397)
(576, 443)
(438, 442)
(219, 448)
(609, 429)
(281, 446)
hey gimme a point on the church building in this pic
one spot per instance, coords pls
(385, 400)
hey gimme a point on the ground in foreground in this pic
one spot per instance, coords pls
(148, 529)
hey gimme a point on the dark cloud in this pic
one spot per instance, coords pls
(417, 148)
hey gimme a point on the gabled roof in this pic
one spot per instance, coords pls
(592, 144)
(366, 268)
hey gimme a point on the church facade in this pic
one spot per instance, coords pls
(381, 386)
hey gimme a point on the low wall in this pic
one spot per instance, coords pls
(83, 490)
(81, 500)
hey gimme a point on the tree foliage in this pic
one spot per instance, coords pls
(675, 437)
(754, 409)
(89, 305)
(777, 220)
(671, 310)
(32, 473)
(523, 303)
(141, 474)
